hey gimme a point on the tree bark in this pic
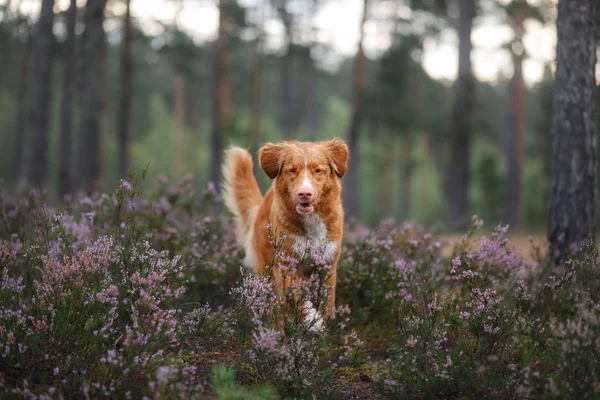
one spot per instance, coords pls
(351, 195)
(194, 112)
(34, 164)
(313, 101)
(516, 156)
(406, 177)
(24, 51)
(387, 174)
(545, 127)
(459, 172)
(66, 133)
(287, 78)
(572, 208)
(306, 99)
(124, 111)
(255, 95)
(220, 95)
(92, 57)
(179, 134)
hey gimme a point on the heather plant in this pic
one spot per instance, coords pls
(289, 345)
(484, 331)
(109, 296)
(380, 269)
(175, 218)
(205, 240)
(87, 313)
(140, 294)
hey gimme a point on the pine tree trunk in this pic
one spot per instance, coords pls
(179, 132)
(313, 102)
(193, 111)
(350, 193)
(387, 174)
(91, 74)
(406, 177)
(34, 164)
(220, 95)
(518, 126)
(24, 50)
(255, 94)
(306, 101)
(459, 172)
(287, 81)
(572, 209)
(547, 96)
(436, 151)
(66, 133)
(124, 111)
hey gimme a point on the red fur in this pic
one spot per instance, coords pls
(290, 164)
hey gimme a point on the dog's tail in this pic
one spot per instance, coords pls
(240, 190)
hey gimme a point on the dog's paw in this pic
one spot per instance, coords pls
(313, 319)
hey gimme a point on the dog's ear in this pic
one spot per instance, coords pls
(269, 159)
(337, 151)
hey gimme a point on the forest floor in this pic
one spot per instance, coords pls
(149, 287)
(520, 240)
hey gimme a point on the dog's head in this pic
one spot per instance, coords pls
(305, 173)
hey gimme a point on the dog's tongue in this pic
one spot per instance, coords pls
(304, 207)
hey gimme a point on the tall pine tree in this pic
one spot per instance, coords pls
(572, 209)
(34, 163)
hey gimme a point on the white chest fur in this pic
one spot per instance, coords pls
(315, 244)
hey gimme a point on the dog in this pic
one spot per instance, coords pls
(303, 203)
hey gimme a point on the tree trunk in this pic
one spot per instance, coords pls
(92, 57)
(34, 164)
(124, 111)
(572, 209)
(547, 96)
(458, 180)
(24, 50)
(516, 156)
(351, 199)
(255, 99)
(64, 172)
(255, 94)
(179, 134)
(220, 95)
(193, 111)
(287, 80)
(306, 99)
(387, 174)
(193, 116)
(313, 101)
(406, 176)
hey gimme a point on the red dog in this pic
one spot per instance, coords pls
(303, 203)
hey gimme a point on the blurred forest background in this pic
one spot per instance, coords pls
(91, 88)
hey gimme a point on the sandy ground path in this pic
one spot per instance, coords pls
(518, 240)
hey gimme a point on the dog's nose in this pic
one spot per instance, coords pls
(304, 194)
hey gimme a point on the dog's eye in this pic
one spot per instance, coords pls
(292, 170)
(318, 170)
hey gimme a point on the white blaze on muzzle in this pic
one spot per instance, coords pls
(306, 183)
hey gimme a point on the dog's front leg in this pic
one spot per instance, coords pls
(288, 295)
(331, 283)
